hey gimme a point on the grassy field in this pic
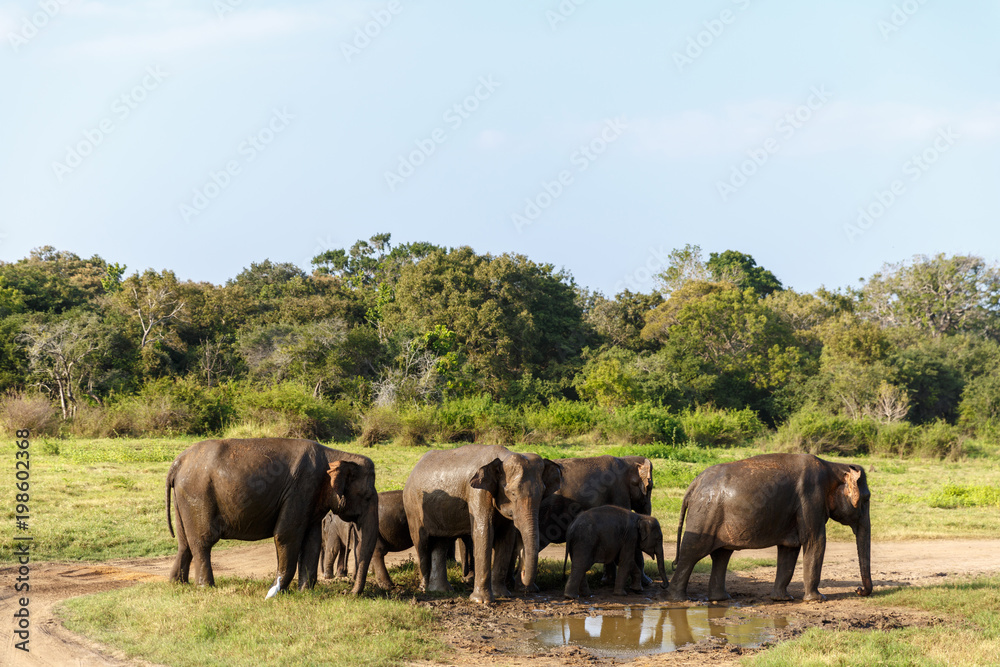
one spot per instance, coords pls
(970, 637)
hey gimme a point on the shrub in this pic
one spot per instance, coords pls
(457, 417)
(306, 415)
(818, 433)
(642, 423)
(895, 439)
(939, 440)
(28, 411)
(563, 419)
(710, 427)
(418, 426)
(379, 425)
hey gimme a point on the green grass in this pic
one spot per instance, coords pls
(971, 635)
(233, 624)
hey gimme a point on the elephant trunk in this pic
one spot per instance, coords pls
(660, 566)
(863, 535)
(367, 526)
(526, 522)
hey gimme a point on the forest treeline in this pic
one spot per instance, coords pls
(431, 343)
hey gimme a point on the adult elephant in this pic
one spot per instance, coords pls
(486, 491)
(594, 481)
(269, 487)
(768, 500)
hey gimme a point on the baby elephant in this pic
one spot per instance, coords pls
(339, 538)
(616, 535)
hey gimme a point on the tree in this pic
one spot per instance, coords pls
(619, 321)
(61, 355)
(53, 281)
(685, 265)
(741, 270)
(941, 295)
(152, 298)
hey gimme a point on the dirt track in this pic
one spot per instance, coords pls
(893, 564)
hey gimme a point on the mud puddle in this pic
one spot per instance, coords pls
(629, 632)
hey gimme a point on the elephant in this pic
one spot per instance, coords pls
(487, 491)
(338, 542)
(269, 487)
(768, 500)
(607, 535)
(594, 481)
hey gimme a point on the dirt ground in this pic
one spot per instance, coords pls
(497, 635)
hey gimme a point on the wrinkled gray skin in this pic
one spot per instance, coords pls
(768, 500)
(269, 487)
(338, 542)
(482, 490)
(612, 535)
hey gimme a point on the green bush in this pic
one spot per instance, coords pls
(378, 425)
(642, 423)
(980, 407)
(457, 417)
(563, 419)
(817, 433)
(418, 426)
(895, 439)
(939, 440)
(305, 415)
(711, 427)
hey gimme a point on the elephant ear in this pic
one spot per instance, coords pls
(848, 490)
(489, 477)
(552, 476)
(645, 528)
(646, 476)
(340, 473)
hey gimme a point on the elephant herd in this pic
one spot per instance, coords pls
(319, 503)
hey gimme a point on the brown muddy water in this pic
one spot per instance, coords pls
(625, 632)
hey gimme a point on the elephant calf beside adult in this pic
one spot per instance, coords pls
(269, 487)
(768, 500)
(487, 491)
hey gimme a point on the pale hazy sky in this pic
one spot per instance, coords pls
(201, 136)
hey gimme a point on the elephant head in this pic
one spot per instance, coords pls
(518, 483)
(848, 501)
(353, 498)
(640, 484)
(651, 542)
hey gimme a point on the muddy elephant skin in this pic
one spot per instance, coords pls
(269, 487)
(612, 535)
(485, 491)
(768, 500)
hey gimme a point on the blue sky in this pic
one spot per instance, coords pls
(202, 136)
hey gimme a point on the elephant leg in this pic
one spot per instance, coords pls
(786, 566)
(812, 568)
(482, 546)
(309, 557)
(341, 559)
(287, 549)
(464, 547)
(503, 555)
(692, 550)
(717, 580)
(422, 545)
(610, 574)
(577, 582)
(625, 561)
(182, 564)
(382, 577)
(202, 560)
(439, 567)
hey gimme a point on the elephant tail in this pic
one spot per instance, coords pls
(680, 531)
(170, 485)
